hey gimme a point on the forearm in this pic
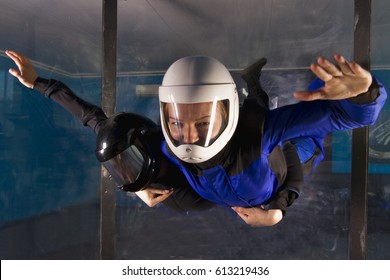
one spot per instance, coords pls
(89, 114)
(293, 183)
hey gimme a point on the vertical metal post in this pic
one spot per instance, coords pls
(359, 173)
(107, 187)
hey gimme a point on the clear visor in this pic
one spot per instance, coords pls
(198, 123)
(126, 167)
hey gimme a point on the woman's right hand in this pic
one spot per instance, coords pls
(258, 217)
(26, 74)
(153, 196)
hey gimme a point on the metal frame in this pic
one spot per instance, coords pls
(107, 187)
(359, 173)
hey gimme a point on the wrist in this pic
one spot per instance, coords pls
(34, 82)
(40, 84)
(367, 97)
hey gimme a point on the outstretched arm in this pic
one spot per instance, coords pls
(89, 114)
(357, 101)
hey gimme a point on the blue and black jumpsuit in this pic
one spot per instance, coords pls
(251, 171)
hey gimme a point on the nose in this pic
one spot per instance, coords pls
(190, 134)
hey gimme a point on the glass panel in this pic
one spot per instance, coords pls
(152, 35)
(378, 238)
(49, 177)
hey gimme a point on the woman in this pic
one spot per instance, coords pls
(228, 155)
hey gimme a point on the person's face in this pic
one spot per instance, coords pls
(194, 123)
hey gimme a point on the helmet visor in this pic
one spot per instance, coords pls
(196, 123)
(128, 168)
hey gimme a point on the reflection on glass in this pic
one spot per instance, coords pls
(49, 176)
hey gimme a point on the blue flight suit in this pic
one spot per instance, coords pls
(243, 174)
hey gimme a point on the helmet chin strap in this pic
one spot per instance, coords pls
(191, 159)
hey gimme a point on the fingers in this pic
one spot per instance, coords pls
(161, 197)
(11, 54)
(309, 95)
(325, 70)
(329, 67)
(238, 209)
(159, 191)
(344, 65)
(242, 212)
(158, 195)
(342, 79)
(254, 216)
(26, 73)
(16, 57)
(19, 59)
(152, 197)
(14, 73)
(358, 70)
(321, 73)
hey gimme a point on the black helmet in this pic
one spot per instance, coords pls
(128, 145)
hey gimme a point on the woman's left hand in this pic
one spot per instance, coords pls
(343, 80)
(26, 74)
(257, 217)
(153, 196)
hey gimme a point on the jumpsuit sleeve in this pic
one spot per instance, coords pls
(318, 118)
(282, 200)
(293, 183)
(90, 115)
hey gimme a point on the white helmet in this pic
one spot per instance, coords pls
(198, 107)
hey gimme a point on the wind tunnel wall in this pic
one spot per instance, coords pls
(49, 177)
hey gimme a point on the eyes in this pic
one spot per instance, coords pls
(199, 124)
